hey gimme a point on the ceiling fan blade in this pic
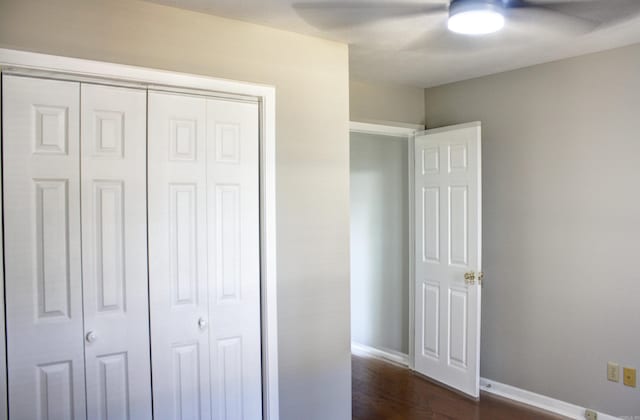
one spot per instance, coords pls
(606, 12)
(543, 3)
(594, 14)
(333, 15)
(543, 17)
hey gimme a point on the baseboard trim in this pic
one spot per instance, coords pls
(384, 354)
(536, 400)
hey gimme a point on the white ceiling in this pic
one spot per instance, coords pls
(416, 49)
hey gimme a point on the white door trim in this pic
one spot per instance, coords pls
(4, 413)
(451, 128)
(404, 130)
(119, 74)
(407, 131)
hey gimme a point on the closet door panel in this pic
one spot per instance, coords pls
(178, 256)
(234, 259)
(114, 233)
(43, 267)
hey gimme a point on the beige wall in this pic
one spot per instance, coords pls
(311, 77)
(561, 184)
(380, 102)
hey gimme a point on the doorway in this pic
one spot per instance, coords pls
(416, 236)
(381, 240)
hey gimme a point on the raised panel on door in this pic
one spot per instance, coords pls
(114, 244)
(178, 256)
(234, 259)
(42, 265)
(447, 310)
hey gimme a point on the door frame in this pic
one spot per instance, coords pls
(407, 131)
(4, 380)
(58, 67)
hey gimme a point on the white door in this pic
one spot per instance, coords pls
(43, 271)
(234, 259)
(448, 256)
(114, 249)
(178, 256)
(204, 257)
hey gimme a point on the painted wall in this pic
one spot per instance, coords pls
(561, 150)
(379, 102)
(311, 77)
(379, 242)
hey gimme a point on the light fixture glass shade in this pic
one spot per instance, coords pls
(479, 21)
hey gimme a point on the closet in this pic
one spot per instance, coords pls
(132, 252)
(204, 254)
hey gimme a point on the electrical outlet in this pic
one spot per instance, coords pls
(613, 372)
(629, 377)
(590, 415)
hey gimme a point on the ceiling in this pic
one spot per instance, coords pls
(394, 41)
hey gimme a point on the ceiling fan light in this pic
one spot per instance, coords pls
(475, 17)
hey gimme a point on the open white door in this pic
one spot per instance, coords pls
(448, 245)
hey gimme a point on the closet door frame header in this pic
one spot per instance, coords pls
(80, 70)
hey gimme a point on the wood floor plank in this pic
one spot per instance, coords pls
(384, 391)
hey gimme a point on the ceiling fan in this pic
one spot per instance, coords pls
(473, 17)
(476, 17)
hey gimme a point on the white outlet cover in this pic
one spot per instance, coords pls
(613, 372)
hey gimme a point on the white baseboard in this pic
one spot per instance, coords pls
(536, 400)
(384, 354)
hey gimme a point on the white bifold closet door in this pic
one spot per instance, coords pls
(45, 339)
(114, 252)
(76, 281)
(204, 257)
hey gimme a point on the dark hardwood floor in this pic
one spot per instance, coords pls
(383, 391)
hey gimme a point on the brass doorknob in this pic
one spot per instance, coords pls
(470, 277)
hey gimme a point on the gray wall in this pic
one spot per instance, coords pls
(379, 242)
(311, 78)
(379, 102)
(561, 207)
